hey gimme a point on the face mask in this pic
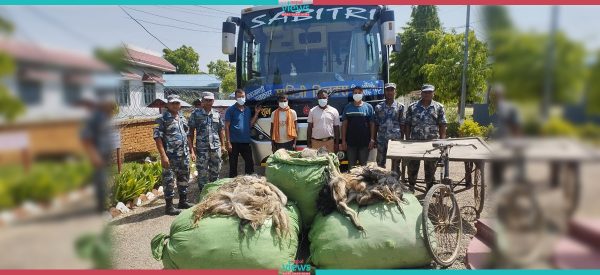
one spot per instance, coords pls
(322, 102)
(241, 100)
(283, 105)
(357, 97)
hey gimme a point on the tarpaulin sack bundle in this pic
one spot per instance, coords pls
(216, 242)
(300, 179)
(389, 240)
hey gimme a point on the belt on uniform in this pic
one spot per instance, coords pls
(323, 139)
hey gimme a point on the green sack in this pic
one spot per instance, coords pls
(212, 186)
(389, 241)
(216, 243)
(300, 180)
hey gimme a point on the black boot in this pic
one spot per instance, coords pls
(170, 209)
(183, 203)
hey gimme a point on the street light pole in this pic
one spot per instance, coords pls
(549, 81)
(463, 92)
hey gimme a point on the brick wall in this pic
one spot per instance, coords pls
(62, 138)
(136, 138)
(45, 139)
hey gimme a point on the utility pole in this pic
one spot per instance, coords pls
(550, 60)
(463, 92)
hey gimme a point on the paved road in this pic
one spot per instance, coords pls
(133, 232)
(48, 243)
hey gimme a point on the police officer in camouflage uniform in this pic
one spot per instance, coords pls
(171, 140)
(209, 128)
(96, 136)
(425, 120)
(389, 120)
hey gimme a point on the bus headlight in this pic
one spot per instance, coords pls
(258, 135)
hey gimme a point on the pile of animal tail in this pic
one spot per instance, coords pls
(364, 185)
(252, 199)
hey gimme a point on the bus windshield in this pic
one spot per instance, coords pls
(340, 47)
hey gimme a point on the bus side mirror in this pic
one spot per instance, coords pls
(228, 43)
(398, 46)
(233, 56)
(388, 27)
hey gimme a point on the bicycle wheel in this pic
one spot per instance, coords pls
(520, 229)
(479, 188)
(442, 224)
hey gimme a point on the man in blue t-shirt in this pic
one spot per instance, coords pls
(237, 132)
(358, 129)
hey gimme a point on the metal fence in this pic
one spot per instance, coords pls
(133, 102)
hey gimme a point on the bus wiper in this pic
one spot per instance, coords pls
(369, 25)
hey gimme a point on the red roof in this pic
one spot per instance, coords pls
(28, 52)
(148, 60)
(152, 78)
(127, 75)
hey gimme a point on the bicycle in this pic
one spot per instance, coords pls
(441, 214)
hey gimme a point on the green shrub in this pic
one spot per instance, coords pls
(6, 199)
(589, 131)
(557, 126)
(452, 129)
(45, 181)
(488, 131)
(470, 128)
(532, 127)
(135, 180)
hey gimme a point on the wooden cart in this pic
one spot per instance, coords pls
(442, 216)
(474, 159)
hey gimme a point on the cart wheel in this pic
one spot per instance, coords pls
(520, 228)
(442, 224)
(468, 213)
(479, 188)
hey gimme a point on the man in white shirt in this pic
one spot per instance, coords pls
(323, 125)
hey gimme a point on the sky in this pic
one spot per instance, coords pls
(83, 28)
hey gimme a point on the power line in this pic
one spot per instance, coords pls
(176, 27)
(188, 11)
(144, 27)
(59, 25)
(174, 19)
(216, 10)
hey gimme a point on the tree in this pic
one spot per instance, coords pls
(225, 71)
(495, 21)
(220, 68)
(185, 59)
(593, 93)
(445, 70)
(228, 84)
(10, 106)
(418, 37)
(519, 59)
(115, 58)
(496, 18)
(519, 63)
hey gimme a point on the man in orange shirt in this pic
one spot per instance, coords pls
(284, 126)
